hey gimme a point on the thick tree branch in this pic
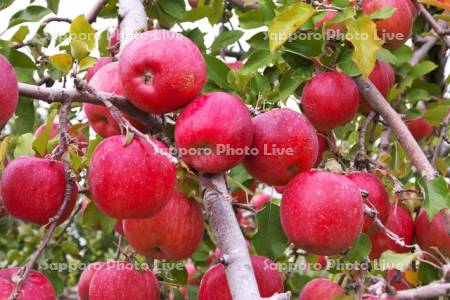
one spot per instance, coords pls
(134, 20)
(91, 16)
(56, 94)
(432, 290)
(434, 24)
(231, 242)
(393, 120)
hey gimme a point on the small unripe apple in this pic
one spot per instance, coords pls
(380, 78)
(37, 286)
(33, 189)
(419, 128)
(79, 138)
(85, 279)
(9, 95)
(321, 212)
(101, 62)
(330, 100)
(121, 281)
(214, 285)
(399, 222)
(396, 29)
(130, 181)
(435, 233)
(213, 132)
(106, 79)
(162, 71)
(377, 199)
(237, 65)
(281, 151)
(174, 233)
(321, 289)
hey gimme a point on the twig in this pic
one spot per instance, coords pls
(442, 135)
(72, 218)
(245, 5)
(91, 16)
(433, 23)
(433, 290)
(25, 271)
(394, 121)
(134, 20)
(55, 19)
(362, 153)
(321, 5)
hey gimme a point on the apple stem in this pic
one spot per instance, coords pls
(394, 121)
(361, 155)
(24, 272)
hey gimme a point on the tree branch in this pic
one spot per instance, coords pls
(393, 120)
(244, 5)
(56, 94)
(442, 135)
(434, 24)
(134, 20)
(432, 290)
(91, 16)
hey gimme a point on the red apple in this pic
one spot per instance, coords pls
(390, 72)
(10, 91)
(279, 188)
(213, 132)
(114, 40)
(101, 62)
(162, 71)
(107, 80)
(37, 286)
(237, 65)
(377, 199)
(130, 181)
(322, 212)
(121, 281)
(396, 29)
(330, 100)
(214, 285)
(258, 201)
(284, 144)
(323, 147)
(399, 280)
(420, 128)
(322, 262)
(241, 196)
(401, 223)
(174, 233)
(33, 189)
(321, 289)
(85, 279)
(79, 138)
(435, 233)
(380, 78)
(412, 7)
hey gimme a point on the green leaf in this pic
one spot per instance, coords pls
(217, 14)
(341, 3)
(81, 30)
(437, 114)
(40, 143)
(103, 44)
(256, 60)
(53, 5)
(224, 39)
(427, 273)
(383, 13)
(436, 195)
(177, 274)
(286, 23)
(174, 8)
(310, 47)
(403, 54)
(20, 34)
(399, 261)
(362, 34)
(23, 145)
(421, 69)
(217, 71)
(25, 116)
(62, 62)
(270, 239)
(86, 63)
(290, 82)
(387, 56)
(5, 3)
(197, 37)
(198, 13)
(32, 13)
(360, 249)
(344, 15)
(70, 248)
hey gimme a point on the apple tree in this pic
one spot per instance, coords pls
(235, 149)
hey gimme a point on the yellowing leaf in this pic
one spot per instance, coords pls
(445, 4)
(81, 30)
(86, 63)
(286, 23)
(362, 34)
(62, 62)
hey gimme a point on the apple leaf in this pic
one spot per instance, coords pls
(62, 62)
(383, 13)
(40, 142)
(82, 31)
(359, 250)
(86, 63)
(286, 23)
(361, 32)
(436, 195)
(53, 5)
(20, 34)
(174, 8)
(217, 71)
(224, 39)
(437, 114)
(421, 69)
(5, 3)
(344, 15)
(257, 59)
(270, 239)
(427, 273)
(177, 273)
(198, 13)
(32, 13)
(24, 145)
(25, 116)
(399, 261)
